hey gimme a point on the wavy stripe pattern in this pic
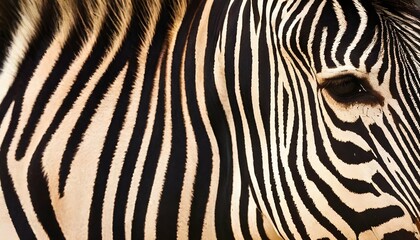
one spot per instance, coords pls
(209, 119)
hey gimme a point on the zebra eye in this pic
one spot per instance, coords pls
(348, 89)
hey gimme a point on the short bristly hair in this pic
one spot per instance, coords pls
(49, 15)
(9, 12)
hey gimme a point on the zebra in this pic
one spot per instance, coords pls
(240, 119)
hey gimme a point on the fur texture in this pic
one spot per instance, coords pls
(14, 12)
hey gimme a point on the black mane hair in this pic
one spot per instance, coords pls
(400, 6)
(83, 12)
(9, 12)
(145, 12)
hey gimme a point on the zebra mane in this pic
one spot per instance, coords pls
(40, 15)
(13, 12)
(8, 18)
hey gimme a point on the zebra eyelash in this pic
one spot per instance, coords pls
(349, 89)
(342, 80)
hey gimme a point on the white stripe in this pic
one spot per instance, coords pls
(191, 164)
(209, 228)
(145, 144)
(74, 208)
(18, 168)
(161, 169)
(119, 156)
(342, 27)
(6, 226)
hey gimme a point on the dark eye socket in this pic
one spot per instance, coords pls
(344, 87)
(350, 89)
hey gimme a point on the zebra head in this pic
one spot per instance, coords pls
(331, 97)
(219, 119)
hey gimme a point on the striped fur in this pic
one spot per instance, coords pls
(209, 119)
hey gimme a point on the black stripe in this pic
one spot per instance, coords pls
(387, 57)
(41, 199)
(282, 171)
(151, 162)
(15, 96)
(368, 34)
(260, 225)
(138, 133)
(11, 198)
(89, 109)
(112, 137)
(353, 20)
(245, 76)
(166, 226)
(223, 204)
(327, 20)
(400, 234)
(205, 155)
(71, 47)
(38, 182)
